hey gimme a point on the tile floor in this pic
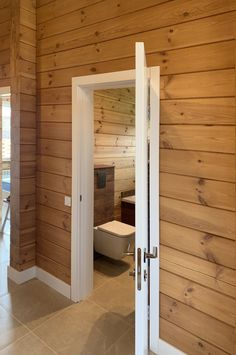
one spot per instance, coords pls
(36, 320)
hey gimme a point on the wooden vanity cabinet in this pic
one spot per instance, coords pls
(128, 213)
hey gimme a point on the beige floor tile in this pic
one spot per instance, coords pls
(29, 345)
(10, 329)
(4, 248)
(98, 279)
(124, 345)
(6, 285)
(84, 328)
(111, 268)
(34, 302)
(116, 297)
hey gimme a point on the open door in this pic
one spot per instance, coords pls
(147, 206)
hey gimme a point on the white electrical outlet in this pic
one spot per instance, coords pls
(68, 201)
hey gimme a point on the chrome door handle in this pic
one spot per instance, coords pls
(152, 255)
(129, 253)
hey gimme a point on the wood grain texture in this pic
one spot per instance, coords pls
(206, 246)
(23, 133)
(201, 325)
(114, 136)
(193, 42)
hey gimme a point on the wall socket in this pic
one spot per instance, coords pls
(68, 201)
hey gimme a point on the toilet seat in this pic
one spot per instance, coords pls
(113, 239)
(118, 229)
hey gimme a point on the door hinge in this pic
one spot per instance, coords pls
(80, 198)
(148, 312)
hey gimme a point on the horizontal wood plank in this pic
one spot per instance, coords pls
(214, 166)
(186, 341)
(198, 190)
(203, 218)
(198, 137)
(196, 243)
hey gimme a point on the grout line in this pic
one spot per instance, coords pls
(44, 342)
(105, 309)
(29, 331)
(55, 315)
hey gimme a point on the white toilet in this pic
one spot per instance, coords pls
(112, 239)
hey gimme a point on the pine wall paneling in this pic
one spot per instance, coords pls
(23, 133)
(5, 29)
(114, 137)
(194, 44)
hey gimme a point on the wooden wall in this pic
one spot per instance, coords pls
(23, 133)
(194, 43)
(114, 137)
(5, 27)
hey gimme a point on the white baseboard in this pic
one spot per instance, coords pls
(52, 281)
(20, 277)
(167, 349)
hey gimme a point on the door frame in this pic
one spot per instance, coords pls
(82, 184)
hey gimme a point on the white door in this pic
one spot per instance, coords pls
(147, 209)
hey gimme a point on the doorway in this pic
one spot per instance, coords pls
(114, 202)
(83, 197)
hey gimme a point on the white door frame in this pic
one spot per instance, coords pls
(82, 184)
(82, 161)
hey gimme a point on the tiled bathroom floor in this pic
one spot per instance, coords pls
(34, 319)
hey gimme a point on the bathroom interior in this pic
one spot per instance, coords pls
(114, 195)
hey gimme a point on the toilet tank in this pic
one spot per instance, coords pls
(104, 194)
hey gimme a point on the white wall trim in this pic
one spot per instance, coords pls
(20, 277)
(167, 349)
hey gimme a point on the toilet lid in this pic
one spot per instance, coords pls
(117, 228)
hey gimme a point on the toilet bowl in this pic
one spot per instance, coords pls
(112, 239)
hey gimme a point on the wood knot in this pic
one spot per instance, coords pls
(202, 200)
(201, 181)
(207, 237)
(190, 289)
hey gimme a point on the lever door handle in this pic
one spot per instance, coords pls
(129, 253)
(152, 255)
